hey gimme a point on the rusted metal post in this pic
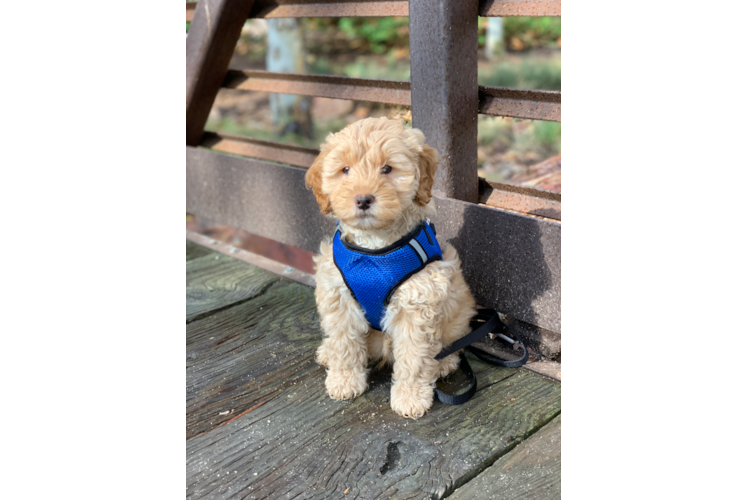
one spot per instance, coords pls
(444, 89)
(213, 34)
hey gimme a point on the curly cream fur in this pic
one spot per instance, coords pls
(430, 310)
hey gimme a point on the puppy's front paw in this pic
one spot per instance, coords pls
(448, 365)
(345, 384)
(411, 401)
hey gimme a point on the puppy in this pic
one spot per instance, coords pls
(375, 176)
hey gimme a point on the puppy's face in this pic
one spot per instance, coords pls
(372, 170)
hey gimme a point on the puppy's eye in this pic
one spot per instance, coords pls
(386, 169)
(346, 169)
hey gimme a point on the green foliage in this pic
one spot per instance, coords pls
(370, 69)
(264, 133)
(507, 146)
(372, 34)
(520, 136)
(320, 66)
(537, 138)
(363, 67)
(492, 131)
(529, 32)
(381, 32)
(188, 26)
(530, 74)
(548, 134)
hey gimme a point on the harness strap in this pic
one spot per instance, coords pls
(485, 322)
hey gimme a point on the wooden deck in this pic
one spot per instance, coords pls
(260, 425)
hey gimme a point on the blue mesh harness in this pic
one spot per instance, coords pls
(373, 276)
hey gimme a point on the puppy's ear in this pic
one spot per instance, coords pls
(313, 179)
(428, 161)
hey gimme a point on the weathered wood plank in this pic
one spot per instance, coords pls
(247, 354)
(256, 404)
(195, 251)
(216, 281)
(301, 444)
(257, 360)
(532, 470)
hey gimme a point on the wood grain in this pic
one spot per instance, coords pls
(531, 471)
(260, 424)
(216, 281)
(246, 354)
(301, 444)
(195, 251)
(249, 353)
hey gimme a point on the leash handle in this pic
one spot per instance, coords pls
(485, 322)
(502, 362)
(453, 399)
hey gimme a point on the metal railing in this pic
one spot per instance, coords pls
(268, 9)
(508, 237)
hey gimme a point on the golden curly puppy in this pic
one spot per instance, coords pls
(375, 176)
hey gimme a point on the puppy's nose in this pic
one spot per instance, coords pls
(363, 202)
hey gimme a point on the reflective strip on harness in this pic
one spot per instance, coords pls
(418, 249)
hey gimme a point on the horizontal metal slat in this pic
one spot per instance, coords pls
(334, 87)
(532, 104)
(495, 101)
(509, 8)
(372, 8)
(511, 261)
(191, 10)
(265, 150)
(269, 9)
(521, 199)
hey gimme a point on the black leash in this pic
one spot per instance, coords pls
(485, 322)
